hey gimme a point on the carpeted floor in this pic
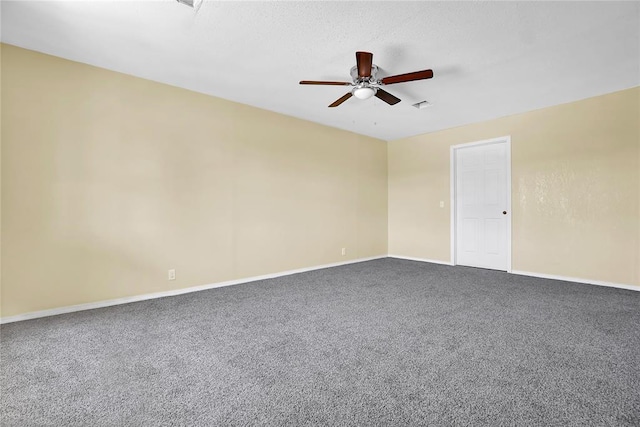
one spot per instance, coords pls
(385, 342)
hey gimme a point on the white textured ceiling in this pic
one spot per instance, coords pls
(490, 59)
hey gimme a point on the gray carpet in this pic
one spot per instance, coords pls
(385, 342)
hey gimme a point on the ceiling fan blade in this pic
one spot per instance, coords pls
(408, 77)
(341, 100)
(387, 97)
(364, 61)
(316, 82)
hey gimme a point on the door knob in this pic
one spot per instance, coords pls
(504, 212)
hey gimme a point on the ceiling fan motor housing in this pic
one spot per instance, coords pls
(372, 78)
(364, 86)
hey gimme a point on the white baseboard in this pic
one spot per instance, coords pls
(540, 275)
(126, 300)
(432, 261)
(577, 280)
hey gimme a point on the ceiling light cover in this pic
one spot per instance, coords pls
(364, 92)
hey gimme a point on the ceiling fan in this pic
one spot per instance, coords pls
(366, 84)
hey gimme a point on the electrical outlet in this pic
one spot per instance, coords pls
(344, 251)
(172, 274)
(441, 204)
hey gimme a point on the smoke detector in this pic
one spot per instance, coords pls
(194, 4)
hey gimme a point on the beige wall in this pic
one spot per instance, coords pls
(1, 46)
(109, 180)
(575, 189)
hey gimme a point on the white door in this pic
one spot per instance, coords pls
(481, 205)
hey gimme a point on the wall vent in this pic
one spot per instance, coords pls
(422, 104)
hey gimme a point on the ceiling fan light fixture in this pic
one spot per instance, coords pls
(365, 83)
(364, 92)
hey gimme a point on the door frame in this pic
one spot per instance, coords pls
(503, 139)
